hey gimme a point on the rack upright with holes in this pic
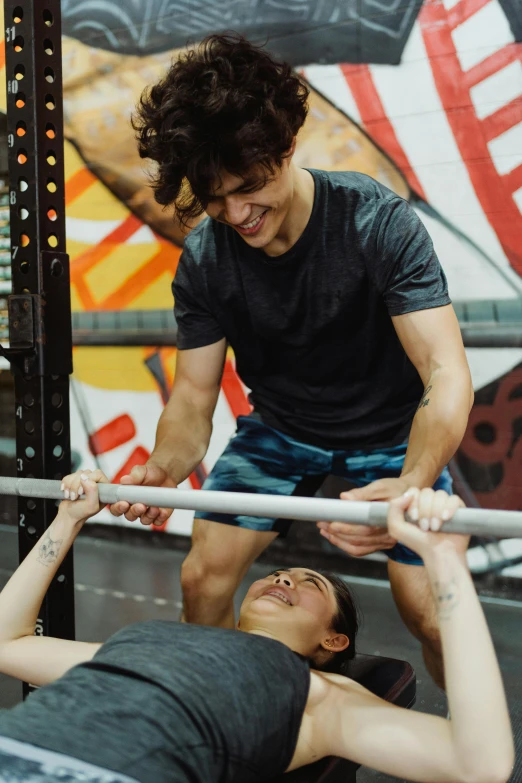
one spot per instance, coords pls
(5, 255)
(40, 344)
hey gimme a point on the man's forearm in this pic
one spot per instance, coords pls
(182, 438)
(439, 425)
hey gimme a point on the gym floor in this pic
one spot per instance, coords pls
(119, 583)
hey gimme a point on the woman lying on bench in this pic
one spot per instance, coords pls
(164, 701)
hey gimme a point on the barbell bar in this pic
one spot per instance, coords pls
(471, 521)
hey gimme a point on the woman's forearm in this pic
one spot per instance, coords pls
(439, 425)
(479, 715)
(22, 596)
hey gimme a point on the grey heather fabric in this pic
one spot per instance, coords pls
(166, 702)
(311, 329)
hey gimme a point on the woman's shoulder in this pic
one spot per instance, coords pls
(321, 716)
(325, 686)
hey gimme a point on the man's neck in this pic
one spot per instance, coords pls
(297, 216)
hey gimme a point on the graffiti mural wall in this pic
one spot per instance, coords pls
(424, 96)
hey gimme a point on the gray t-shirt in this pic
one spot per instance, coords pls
(311, 329)
(166, 702)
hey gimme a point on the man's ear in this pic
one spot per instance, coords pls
(289, 154)
(336, 643)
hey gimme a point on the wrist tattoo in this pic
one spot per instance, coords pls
(49, 550)
(447, 598)
(425, 399)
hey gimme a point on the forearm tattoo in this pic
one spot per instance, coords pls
(425, 399)
(447, 598)
(49, 550)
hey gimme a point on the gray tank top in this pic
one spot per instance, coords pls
(164, 701)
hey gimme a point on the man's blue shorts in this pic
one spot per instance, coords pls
(260, 459)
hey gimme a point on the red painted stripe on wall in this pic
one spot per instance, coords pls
(194, 481)
(120, 234)
(376, 121)
(77, 184)
(234, 392)
(113, 434)
(502, 120)
(463, 10)
(513, 180)
(165, 260)
(492, 64)
(139, 456)
(85, 261)
(492, 190)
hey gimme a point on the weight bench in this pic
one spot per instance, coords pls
(388, 678)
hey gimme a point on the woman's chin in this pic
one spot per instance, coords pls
(266, 608)
(264, 611)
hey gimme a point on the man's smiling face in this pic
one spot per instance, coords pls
(254, 205)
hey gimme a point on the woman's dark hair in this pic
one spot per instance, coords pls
(345, 621)
(225, 105)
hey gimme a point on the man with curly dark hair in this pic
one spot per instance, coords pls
(327, 287)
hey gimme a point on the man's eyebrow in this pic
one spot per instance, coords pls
(246, 185)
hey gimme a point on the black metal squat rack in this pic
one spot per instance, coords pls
(40, 344)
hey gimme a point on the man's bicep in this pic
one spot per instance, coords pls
(431, 338)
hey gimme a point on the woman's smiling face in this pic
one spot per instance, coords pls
(296, 606)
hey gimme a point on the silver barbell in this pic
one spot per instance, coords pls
(473, 521)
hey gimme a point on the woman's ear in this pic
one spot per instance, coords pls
(336, 643)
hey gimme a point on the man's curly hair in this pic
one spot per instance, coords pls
(225, 105)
